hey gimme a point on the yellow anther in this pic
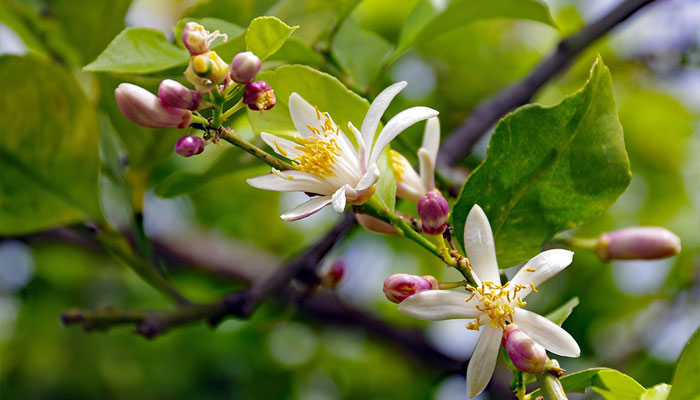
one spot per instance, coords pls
(200, 64)
(533, 288)
(530, 270)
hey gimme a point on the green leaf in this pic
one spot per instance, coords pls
(560, 315)
(266, 35)
(428, 20)
(138, 50)
(549, 169)
(329, 95)
(609, 383)
(314, 16)
(687, 375)
(658, 392)
(48, 150)
(359, 52)
(295, 51)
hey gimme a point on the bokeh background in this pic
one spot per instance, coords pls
(635, 316)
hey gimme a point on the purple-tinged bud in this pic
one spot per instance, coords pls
(526, 354)
(174, 94)
(144, 108)
(195, 38)
(244, 67)
(376, 225)
(189, 146)
(334, 274)
(433, 210)
(399, 287)
(206, 70)
(259, 95)
(638, 243)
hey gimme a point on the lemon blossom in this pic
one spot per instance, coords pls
(326, 162)
(492, 305)
(409, 184)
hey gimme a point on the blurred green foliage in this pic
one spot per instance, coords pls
(277, 354)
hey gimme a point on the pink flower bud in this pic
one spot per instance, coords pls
(399, 287)
(638, 243)
(526, 355)
(244, 67)
(144, 108)
(174, 94)
(373, 224)
(195, 38)
(433, 210)
(259, 95)
(189, 146)
(335, 274)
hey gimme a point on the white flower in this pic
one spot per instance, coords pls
(326, 162)
(492, 305)
(409, 184)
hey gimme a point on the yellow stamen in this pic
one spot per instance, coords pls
(530, 270)
(533, 288)
(280, 149)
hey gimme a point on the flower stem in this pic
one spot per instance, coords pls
(199, 120)
(235, 139)
(452, 285)
(232, 110)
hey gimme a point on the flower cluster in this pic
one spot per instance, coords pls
(176, 105)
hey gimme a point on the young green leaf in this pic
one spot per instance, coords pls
(138, 50)
(685, 379)
(549, 169)
(609, 383)
(428, 20)
(359, 52)
(266, 35)
(329, 95)
(562, 312)
(48, 149)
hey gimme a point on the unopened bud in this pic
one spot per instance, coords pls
(259, 95)
(174, 94)
(144, 108)
(399, 287)
(206, 70)
(433, 210)
(195, 38)
(244, 67)
(638, 243)
(376, 225)
(189, 146)
(334, 274)
(526, 354)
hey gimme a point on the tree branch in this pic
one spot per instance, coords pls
(491, 110)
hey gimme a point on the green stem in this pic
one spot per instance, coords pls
(114, 243)
(581, 243)
(452, 285)
(551, 387)
(199, 120)
(235, 139)
(232, 110)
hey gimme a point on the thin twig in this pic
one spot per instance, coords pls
(491, 110)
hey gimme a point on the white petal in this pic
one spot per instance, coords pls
(362, 148)
(438, 305)
(339, 199)
(546, 265)
(300, 182)
(545, 332)
(368, 179)
(409, 186)
(281, 146)
(431, 137)
(302, 114)
(396, 125)
(377, 109)
(427, 169)
(479, 245)
(308, 208)
(483, 360)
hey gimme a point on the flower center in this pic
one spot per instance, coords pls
(498, 302)
(319, 150)
(397, 165)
